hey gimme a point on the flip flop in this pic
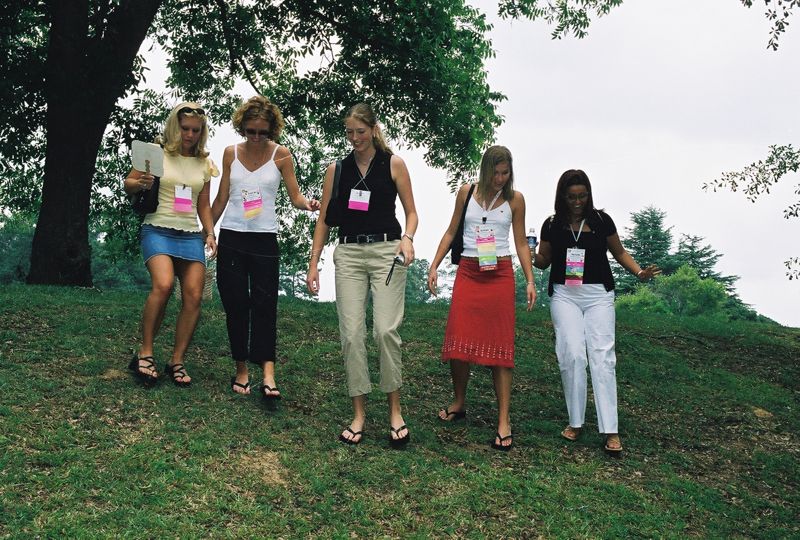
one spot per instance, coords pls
(500, 446)
(456, 415)
(354, 434)
(571, 434)
(400, 441)
(235, 385)
(265, 392)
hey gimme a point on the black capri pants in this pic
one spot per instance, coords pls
(248, 266)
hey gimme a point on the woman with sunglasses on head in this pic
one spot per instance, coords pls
(370, 237)
(480, 325)
(249, 261)
(171, 243)
(575, 240)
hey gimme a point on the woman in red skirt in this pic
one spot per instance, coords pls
(480, 327)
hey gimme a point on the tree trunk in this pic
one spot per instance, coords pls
(86, 75)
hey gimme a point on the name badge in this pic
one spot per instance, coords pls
(575, 260)
(359, 200)
(487, 248)
(251, 202)
(182, 203)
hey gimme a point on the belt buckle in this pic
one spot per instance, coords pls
(364, 239)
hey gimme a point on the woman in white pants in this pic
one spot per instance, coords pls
(575, 240)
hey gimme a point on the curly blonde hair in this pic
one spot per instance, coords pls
(171, 138)
(259, 107)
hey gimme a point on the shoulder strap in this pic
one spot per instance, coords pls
(466, 203)
(236, 151)
(336, 174)
(274, 152)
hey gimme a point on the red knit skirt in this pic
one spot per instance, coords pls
(480, 326)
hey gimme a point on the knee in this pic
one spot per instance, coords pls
(385, 334)
(191, 296)
(161, 288)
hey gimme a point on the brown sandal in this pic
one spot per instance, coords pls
(616, 448)
(571, 433)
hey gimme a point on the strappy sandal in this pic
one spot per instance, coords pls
(147, 362)
(613, 450)
(245, 387)
(353, 435)
(571, 433)
(175, 372)
(400, 441)
(456, 415)
(501, 447)
(265, 392)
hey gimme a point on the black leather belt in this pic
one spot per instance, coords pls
(368, 238)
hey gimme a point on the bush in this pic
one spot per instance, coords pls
(642, 300)
(685, 293)
(16, 236)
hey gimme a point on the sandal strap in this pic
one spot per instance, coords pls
(146, 362)
(398, 430)
(178, 371)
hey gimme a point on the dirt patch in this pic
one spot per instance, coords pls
(264, 465)
(113, 374)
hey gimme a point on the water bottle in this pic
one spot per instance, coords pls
(532, 241)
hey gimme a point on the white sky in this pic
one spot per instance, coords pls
(661, 96)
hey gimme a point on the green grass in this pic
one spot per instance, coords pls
(708, 414)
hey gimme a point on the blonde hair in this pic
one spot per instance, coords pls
(491, 158)
(171, 138)
(364, 113)
(259, 107)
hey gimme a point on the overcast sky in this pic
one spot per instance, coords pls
(661, 96)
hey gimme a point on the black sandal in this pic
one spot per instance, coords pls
(245, 387)
(265, 392)
(456, 415)
(353, 435)
(500, 446)
(147, 362)
(401, 441)
(175, 372)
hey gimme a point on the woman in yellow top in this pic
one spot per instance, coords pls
(171, 242)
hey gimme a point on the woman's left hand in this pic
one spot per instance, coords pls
(211, 245)
(313, 205)
(531, 294)
(407, 249)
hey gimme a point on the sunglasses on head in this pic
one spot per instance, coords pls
(189, 110)
(259, 132)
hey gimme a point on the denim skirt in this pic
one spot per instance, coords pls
(186, 245)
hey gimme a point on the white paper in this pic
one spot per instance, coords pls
(143, 152)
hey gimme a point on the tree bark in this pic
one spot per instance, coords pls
(86, 75)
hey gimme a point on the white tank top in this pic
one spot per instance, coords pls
(247, 188)
(499, 219)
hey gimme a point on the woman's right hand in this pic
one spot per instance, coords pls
(312, 280)
(432, 279)
(145, 181)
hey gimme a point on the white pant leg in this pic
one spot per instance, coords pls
(600, 318)
(568, 323)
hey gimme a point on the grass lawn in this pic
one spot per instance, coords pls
(708, 416)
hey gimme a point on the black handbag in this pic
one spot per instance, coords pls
(457, 245)
(333, 214)
(145, 201)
